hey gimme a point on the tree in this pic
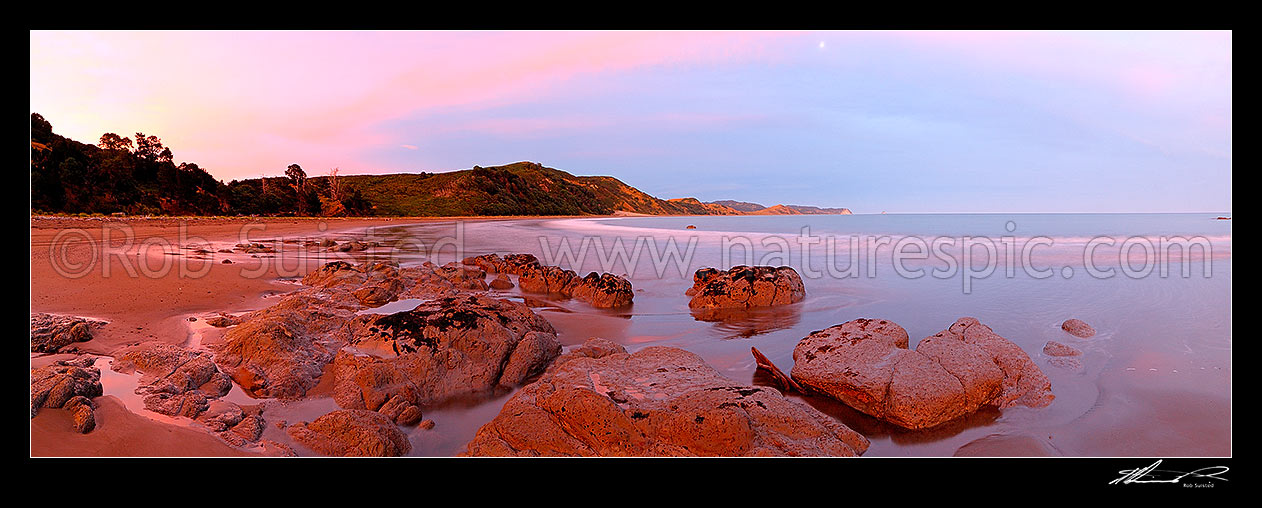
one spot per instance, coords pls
(335, 185)
(149, 147)
(298, 180)
(111, 141)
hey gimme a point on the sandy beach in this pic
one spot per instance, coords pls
(151, 309)
(1136, 371)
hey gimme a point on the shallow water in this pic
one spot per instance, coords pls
(1163, 344)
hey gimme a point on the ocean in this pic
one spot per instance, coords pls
(1154, 381)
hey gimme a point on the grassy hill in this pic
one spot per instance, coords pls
(140, 177)
(521, 188)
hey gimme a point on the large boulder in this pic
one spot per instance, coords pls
(352, 433)
(449, 348)
(598, 400)
(281, 351)
(55, 385)
(53, 334)
(867, 365)
(604, 291)
(744, 287)
(274, 352)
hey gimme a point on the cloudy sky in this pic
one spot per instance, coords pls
(873, 121)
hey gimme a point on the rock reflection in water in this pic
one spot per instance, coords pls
(751, 322)
(876, 430)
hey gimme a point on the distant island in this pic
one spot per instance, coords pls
(120, 175)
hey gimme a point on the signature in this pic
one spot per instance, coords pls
(1151, 474)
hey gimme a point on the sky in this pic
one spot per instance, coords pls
(922, 121)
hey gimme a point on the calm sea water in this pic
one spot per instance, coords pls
(1154, 381)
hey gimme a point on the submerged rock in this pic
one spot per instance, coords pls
(598, 400)
(866, 364)
(1078, 328)
(1053, 348)
(1063, 356)
(53, 334)
(744, 287)
(352, 433)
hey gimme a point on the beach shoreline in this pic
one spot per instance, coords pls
(157, 309)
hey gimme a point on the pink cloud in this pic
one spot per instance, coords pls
(240, 103)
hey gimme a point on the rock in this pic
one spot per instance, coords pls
(275, 449)
(425, 424)
(1078, 328)
(600, 290)
(55, 385)
(52, 334)
(254, 248)
(546, 279)
(84, 418)
(501, 282)
(511, 264)
(166, 368)
(1062, 356)
(462, 276)
(783, 382)
(352, 433)
(227, 261)
(222, 321)
(378, 292)
(410, 416)
(744, 287)
(78, 400)
(250, 428)
(188, 405)
(1053, 348)
(690, 226)
(281, 351)
(867, 365)
(603, 291)
(443, 349)
(221, 415)
(597, 400)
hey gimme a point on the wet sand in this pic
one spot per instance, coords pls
(150, 309)
(120, 433)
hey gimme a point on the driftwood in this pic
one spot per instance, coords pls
(783, 382)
